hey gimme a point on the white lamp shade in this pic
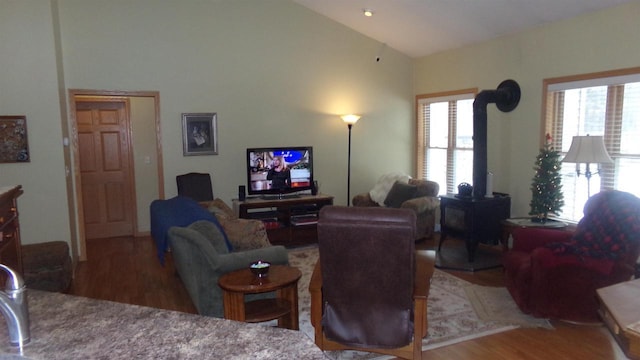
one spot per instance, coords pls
(350, 119)
(587, 149)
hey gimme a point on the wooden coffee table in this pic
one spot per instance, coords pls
(282, 279)
(619, 309)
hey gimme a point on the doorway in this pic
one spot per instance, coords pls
(106, 174)
(115, 135)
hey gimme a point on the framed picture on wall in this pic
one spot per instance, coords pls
(13, 139)
(199, 134)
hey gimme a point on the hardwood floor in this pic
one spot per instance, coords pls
(127, 270)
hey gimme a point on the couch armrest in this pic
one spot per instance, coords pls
(425, 262)
(276, 255)
(546, 264)
(529, 239)
(422, 204)
(363, 199)
(426, 187)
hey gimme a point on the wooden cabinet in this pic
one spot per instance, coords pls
(289, 221)
(619, 311)
(10, 246)
(474, 220)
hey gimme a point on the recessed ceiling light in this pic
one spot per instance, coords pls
(367, 12)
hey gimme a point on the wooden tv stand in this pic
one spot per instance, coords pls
(290, 221)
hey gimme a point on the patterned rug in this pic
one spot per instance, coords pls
(496, 304)
(451, 315)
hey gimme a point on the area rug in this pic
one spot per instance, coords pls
(454, 256)
(495, 304)
(451, 316)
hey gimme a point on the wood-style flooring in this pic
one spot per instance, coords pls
(127, 270)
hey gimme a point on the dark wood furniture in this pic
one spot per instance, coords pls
(474, 220)
(282, 279)
(196, 186)
(10, 246)
(618, 309)
(288, 221)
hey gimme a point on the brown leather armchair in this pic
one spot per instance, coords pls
(423, 200)
(369, 288)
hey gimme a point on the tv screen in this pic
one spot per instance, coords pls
(279, 170)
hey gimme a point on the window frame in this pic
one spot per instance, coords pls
(422, 135)
(552, 104)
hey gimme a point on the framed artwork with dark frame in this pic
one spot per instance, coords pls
(199, 134)
(13, 139)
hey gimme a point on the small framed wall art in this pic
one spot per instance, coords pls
(199, 134)
(13, 139)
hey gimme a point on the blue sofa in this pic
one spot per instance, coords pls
(178, 211)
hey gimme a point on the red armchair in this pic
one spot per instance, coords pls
(555, 274)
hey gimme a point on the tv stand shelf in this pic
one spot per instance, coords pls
(288, 221)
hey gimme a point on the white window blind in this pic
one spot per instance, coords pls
(596, 105)
(445, 138)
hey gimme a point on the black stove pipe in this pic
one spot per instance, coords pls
(506, 97)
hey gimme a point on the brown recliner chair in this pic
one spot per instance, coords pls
(421, 196)
(369, 288)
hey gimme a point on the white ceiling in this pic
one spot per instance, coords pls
(422, 27)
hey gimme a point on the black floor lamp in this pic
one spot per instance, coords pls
(349, 120)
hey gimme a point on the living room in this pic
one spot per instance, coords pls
(275, 73)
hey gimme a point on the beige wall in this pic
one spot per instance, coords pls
(29, 83)
(275, 72)
(145, 159)
(595, 42)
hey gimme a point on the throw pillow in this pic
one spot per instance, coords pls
(384, 184)
(211, 232)
(399, 193)
(220, 209)
(245, 234)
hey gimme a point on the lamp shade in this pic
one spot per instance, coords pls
(587, 149)
(350, 119)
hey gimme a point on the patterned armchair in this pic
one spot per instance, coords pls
(555, 274)
(421, 196)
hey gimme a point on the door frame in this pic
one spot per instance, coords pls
(77, 182)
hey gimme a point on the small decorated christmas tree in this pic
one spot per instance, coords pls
(546, 188)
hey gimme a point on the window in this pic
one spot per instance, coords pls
(603, 104)
(445, 138)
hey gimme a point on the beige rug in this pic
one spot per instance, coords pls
(451, 315)
(495, 304)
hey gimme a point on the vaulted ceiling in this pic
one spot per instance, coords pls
(422, 27)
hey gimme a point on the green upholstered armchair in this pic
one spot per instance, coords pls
(201, 256)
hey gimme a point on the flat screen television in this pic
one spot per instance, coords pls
(279, 170)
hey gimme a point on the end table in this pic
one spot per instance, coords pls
(525, 222)
(282, 279)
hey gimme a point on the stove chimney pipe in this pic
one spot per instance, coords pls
(506, 97)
